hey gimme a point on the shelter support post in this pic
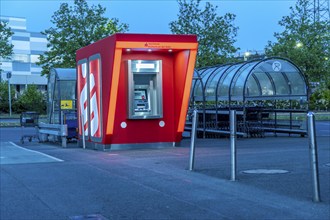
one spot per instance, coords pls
(82, 131)
(233, 128)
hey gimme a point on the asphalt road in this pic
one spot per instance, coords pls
(45, 181)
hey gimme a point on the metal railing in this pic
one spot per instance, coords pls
(56, 130)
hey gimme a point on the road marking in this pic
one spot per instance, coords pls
(264, 171)
(37, 152)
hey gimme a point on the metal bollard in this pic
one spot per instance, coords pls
(313, 156)
(233, 135)
(192, 140)
(82, 131)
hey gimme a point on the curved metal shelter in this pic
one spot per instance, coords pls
(254, 88)
(268, 79)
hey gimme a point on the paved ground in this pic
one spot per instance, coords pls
(45, 181)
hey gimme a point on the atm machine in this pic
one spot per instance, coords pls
(145, 89)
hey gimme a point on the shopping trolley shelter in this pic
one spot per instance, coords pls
(134, 89)
(269, 95)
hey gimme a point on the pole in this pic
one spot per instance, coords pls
(233, 144)
(313, 156)
(192, 140)
(82, 130)
(9, 96)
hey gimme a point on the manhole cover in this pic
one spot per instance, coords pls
(265, 171)
(88, 217)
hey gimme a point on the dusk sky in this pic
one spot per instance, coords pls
(257, 20)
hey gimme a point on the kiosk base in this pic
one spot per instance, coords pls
(110, 147)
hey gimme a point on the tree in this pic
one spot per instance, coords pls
(216, 34)
(6, 48)
(304, 41)
(4, 96)
(75, 27)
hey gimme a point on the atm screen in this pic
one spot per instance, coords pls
(140, 94)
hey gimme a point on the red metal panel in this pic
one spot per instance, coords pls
(95, 97)
(155, 38)
(144, 131)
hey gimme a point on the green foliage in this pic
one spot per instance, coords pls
(6, 48)
(4, 99)
(75, 27)
(31, 100)
(320, 99)
(304, 41)
(216, 34)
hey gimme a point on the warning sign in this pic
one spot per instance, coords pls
(66, 104)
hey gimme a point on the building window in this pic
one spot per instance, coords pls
(35, 58)
(24, 58)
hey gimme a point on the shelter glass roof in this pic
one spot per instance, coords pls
(267, 79)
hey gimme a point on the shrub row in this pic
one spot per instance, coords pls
(30, 100)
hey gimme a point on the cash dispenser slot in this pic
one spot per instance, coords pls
(144, 89)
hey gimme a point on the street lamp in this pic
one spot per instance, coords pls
(9, 93)
(246, 55)
(299, 45)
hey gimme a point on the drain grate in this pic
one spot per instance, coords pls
(88, 217)
(265, 171)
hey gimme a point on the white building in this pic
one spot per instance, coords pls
(27, 48)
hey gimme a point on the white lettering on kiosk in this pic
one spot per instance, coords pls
(93, 106)
(83, 99)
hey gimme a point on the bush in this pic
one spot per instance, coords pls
(320, 99)
(31, 100)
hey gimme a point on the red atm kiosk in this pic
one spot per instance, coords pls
(134, 89)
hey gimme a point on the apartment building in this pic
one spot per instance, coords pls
(27, 48)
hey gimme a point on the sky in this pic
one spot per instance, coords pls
(257, 20)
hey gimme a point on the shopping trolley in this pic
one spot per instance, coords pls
(29, 125)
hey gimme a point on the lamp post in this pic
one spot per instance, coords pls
(9, 93)
(299, 44)
(246, 55)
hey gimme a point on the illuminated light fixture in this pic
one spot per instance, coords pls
(149, 50)
(247, 53)
(145, 66)
(128, 49)
(170, 50)
(299, 44)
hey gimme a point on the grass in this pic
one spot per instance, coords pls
(16, 123)
(16, 116)
(319, 116)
